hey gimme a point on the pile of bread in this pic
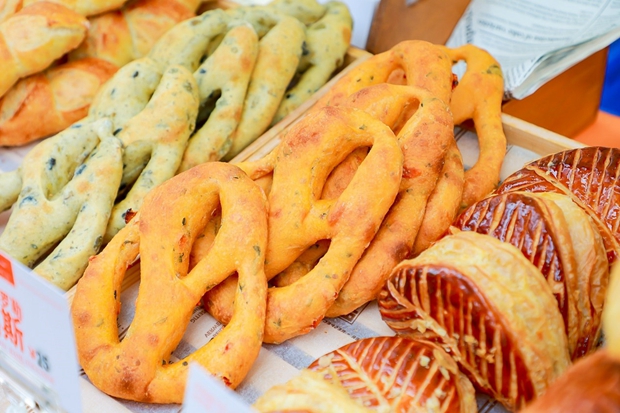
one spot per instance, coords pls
(187, 93)
(506, 300)
(57, 54)
(366, 176)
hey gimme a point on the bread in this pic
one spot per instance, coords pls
(56, 98)
(279, 52)
(308, 393)
(593, 383)
(121, 36)
(397, 374)
(485, 302)
(561, 241)
(33, 38)
(589, 176)
(84, 7)
(9, 8)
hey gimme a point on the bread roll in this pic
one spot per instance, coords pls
(485, 302)
(85, 8)
(33, 38)
(560, 239)
(127, 34)
(9, 8)
(589, 175)
(397, 374)
(55, 98)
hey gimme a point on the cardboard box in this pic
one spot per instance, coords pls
(565, 105)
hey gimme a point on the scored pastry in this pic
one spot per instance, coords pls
(589, 176)
(378, 374)
(593, 383)
(560, 239)
(485, 302)
(399, 374)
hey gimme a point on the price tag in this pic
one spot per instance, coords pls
(205, 394)
(37, 344)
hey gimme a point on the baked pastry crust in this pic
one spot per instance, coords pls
(489, 305)
(590, 176)
(397, 374)
(560, 239)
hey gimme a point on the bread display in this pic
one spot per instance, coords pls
(173, 215)
(33, 38)
(589, 176)
(562, 242)
(385, 374)
(57, 98)
(171, 256)
(482, 299)
(152, 104)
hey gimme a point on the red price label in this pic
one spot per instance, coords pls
(6, 270)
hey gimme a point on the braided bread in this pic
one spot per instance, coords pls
(33, 38)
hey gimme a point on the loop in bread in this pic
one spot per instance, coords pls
(162, 233)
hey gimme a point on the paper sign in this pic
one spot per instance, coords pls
(37, 344)
(205, 394)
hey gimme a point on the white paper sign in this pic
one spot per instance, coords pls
(37, 344)
(205, 394)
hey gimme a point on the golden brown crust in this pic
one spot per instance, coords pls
(478, 96)
(444, 202)
(538, 227)
(163, 233)
(591, 385)
(56, 98)
(34, 37)
(297, 218)
(121, 36)
(308, 393)
(84, 8)
(399, 374)
(424, 140)
(589, 175)
(481, 298)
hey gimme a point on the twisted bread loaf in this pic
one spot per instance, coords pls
(36, 36)
(56, 98)
(127, 34)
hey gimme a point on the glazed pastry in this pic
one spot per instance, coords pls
(486, 303)
(397, 374)
(593, 383)
(560, 239)
(589, 176)
(162, 233)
